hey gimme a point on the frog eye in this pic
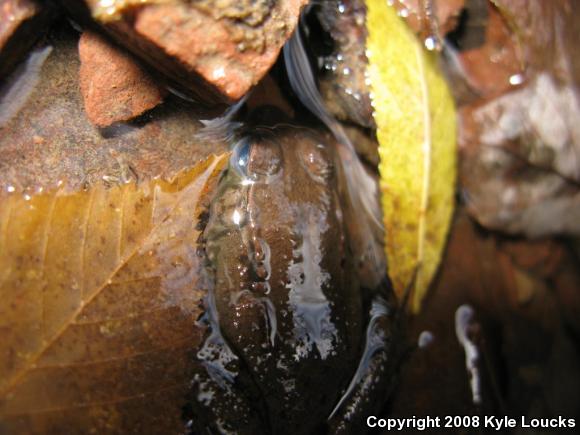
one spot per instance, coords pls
(257, 156)
(315, 159)
(241, 156)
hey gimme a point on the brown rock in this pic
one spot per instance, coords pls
(216, 50)
(114, 87)
(13, 13)
(519, 346)
(21, 23)
(342, 79)
(495, 66)
(519, 137)
(50, 142)
(426, 17)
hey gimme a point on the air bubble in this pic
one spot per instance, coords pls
(516, 79)
(433, 42)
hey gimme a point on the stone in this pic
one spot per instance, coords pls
(22, 22)
(50, 142)
(494, 66)
(215, 50)
(519, 139)
(113, 85)
(426, 16)
(343, 74)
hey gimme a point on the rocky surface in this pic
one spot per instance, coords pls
(490, 55)
(50, 139)
(427, 17)
(113, 85)
(519, 136)
(214, 50)
(342, 78)
(22, 22)
(525, 299)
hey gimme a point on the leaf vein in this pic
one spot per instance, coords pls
(202, 179)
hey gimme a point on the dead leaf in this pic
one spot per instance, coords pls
(100, 294)
(415, 116)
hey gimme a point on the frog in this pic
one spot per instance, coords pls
(295, 342)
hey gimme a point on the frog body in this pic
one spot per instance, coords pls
(287, 316)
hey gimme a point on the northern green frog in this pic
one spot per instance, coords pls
(295, 343)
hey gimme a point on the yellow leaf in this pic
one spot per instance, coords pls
(416, 129)
(99, 292)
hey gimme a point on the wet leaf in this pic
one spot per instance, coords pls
(415, 119)
(100, 291)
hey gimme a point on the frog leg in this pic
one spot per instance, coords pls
(369, 385)
(222, 400)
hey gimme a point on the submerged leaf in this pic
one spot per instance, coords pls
(415, 119)
(100, 291)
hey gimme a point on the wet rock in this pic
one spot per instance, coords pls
(526, 299)
(22, 22)
(491, 65)
(342, 79)
(520, 141)
(215, 50)
(114, 87)
(430, 16)
(365, 143)
(547, 33)
(50, 139)
(512, 181)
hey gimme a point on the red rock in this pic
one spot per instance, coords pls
(50, 142)
(114, 87)
(21, 23)
(13, 13)
(490, 69)
(518, 135)
(215, 50)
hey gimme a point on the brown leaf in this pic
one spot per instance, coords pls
(100, 293)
